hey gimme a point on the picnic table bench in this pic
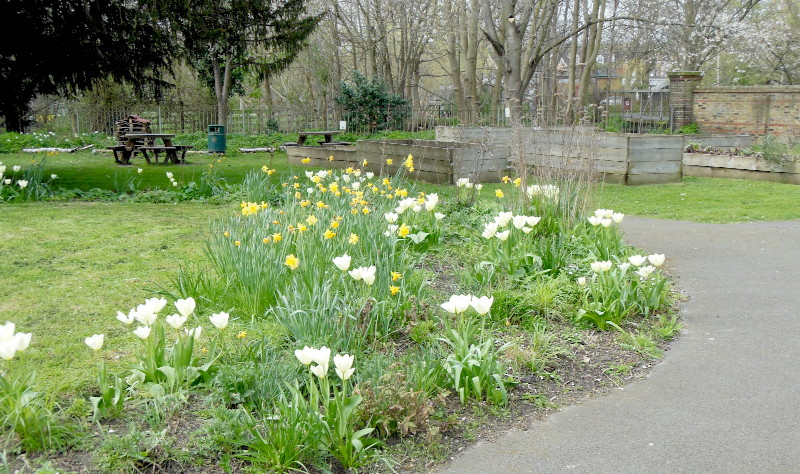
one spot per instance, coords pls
(301, 137)
(144, 142)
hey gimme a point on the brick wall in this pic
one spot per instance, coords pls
(752, 110)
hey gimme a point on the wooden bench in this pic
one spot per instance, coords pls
(118, 153)
(171, 153)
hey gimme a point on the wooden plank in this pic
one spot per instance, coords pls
(706, 172)
(738, 162)
(654, 167)
(648, 142)
(637, 179)
(657, 154)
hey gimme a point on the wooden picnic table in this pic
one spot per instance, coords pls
(144, 142)
(328, 134)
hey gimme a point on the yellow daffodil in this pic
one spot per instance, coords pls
(330, 158)
(305, 161)
(389, 161)
(364, 163)
(329, 234)
(311, 220)
(226, 234)
(396, 276)
(304, 203)
(353, 211)
(277, 237)
(517, 181)
(365, 210)
(297, 195)
(276, 222)
(302, 227)
(316, 179)
(296, 185)
(335, 224)
(266, 240)
(394, 290)
(334, 187)
(403, 230)
(241, 335)
(290, 228)
(237, 243)
(322, 205)
(264, 205)
(292, 261)
(271, 171)
(353, 239)
(349, 170)
(402, 192)
(264, 168)
(499, 193)
(505, 179)
(284, 184)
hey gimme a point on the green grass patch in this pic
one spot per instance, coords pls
(65, 270)
(704, 200)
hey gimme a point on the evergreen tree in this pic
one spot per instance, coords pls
(62, 46)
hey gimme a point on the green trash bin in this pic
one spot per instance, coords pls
(216, 139)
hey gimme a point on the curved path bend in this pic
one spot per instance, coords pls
(726, 398)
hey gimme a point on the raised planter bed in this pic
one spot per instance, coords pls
(740, 167)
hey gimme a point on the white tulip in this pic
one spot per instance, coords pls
(8, 349)
(186, 307)
(519, 221)
(219, 320)
(656, 259)
(600, 213)
(16, 168)
(176, 320)
(478, 186)
(95, 341)
(624, 266)
(344, 365)
(7, 181)
(439, 216)
(156, 304)
(457, 303)
(368, 275)
(142, 332)
(431, 201)
(602, 266)
(343, 262)
(605, 222)
(319, 371)
(169, 175)
(7, 331)
(645, 272)
(356, 273)
(617, 217)
(637, 260)
(369, 175)
(527, 230)
(503, 235)
(504, 218)
(391, 217)
(489, 230)
(131, 316)
(195, 333)
(321, 357)
(582, 281)
(482, 305)
(532, 220)
(304, 355)
(22, 184)
(594, 220)
(145, 315)
(53, 176)
(356, 186)
(23, 340)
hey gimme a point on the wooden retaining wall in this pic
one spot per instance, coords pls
(740, 167)
(624, 158)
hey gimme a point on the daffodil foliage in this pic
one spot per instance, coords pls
(333, 260)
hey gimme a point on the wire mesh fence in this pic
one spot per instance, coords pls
(621, 111)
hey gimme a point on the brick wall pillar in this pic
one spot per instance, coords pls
(681, 86)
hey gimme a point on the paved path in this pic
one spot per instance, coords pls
(727, 396)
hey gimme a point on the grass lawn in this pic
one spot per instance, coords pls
(65, 269)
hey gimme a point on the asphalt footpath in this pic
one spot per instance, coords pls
(726, 397)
